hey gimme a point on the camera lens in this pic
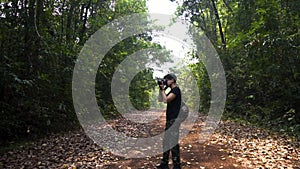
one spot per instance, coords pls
(159, 81)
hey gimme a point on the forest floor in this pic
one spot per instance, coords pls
(231, 146)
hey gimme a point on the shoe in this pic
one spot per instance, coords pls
(162, 166)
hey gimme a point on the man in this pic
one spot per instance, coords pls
(171, 137)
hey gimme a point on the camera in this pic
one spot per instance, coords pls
(162, 81)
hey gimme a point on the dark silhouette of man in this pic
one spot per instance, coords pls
(171, 136)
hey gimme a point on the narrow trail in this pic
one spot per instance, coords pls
(231, 146)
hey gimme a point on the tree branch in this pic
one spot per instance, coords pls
(35, 19)
(219, 24)
(227, 5)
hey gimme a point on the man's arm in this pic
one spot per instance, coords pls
(165, 98)
(160, 97)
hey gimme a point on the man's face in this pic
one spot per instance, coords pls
(169, 82)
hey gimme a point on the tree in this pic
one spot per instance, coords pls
(260, 58)
(40, 41)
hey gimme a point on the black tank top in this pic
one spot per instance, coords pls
(173, 107)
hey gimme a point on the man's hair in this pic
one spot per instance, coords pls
(170, 77)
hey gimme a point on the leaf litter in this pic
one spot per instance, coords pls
(231, 146)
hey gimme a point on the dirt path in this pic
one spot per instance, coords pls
(231, 146)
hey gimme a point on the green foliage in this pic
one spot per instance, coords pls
(200, 73)
(141, 84)
(140, 89)
(263, 75)
(39, 42)
(261, 58)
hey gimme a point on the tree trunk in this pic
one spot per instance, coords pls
(69, 31)
(84, 22)
(219, 24)
(227, 5)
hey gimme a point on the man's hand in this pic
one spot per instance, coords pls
(161, 86)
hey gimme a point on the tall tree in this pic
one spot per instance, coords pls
(40, 41)
(261, 55)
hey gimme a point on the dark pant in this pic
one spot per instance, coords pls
(170, 142)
